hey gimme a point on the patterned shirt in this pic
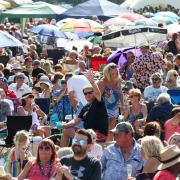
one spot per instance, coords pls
(145, 66)
(114, 166)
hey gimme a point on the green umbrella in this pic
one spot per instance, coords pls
(95, 39)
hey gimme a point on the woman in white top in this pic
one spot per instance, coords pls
(96, 150)
(29, 108)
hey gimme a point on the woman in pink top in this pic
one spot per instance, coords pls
(172, 125)
(43, 168)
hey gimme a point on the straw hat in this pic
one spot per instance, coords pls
(169, 156)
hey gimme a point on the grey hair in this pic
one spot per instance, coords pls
(163, 98)
(169, 74)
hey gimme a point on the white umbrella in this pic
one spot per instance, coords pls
(116, 23)
(135, 37)
(138, 4)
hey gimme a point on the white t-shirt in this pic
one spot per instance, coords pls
(152, 93)
(96, 151)
(21, 91)
(77, 83)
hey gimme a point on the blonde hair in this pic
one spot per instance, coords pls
(151, 146)
(107, 70)
(48, 68)
(135, 91)
(21, 136)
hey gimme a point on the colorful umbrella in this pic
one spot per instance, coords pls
(173, 28)
(132, 16)
(9, 41)
(168, 14)
(162, 19)
(146, 22)
(82, 25)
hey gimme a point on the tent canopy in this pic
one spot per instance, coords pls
(102, 8)
(137, 4)
(34, 10)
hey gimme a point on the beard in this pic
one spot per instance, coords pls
(78, 150)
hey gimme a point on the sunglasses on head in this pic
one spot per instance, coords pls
(46, 148)
(78, 141)
(89, 92)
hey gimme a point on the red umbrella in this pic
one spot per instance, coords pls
(132, 16)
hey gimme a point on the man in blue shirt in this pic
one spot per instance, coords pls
(125, 152)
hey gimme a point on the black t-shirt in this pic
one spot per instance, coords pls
(95, 116)
(86, 169)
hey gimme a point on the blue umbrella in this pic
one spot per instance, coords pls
(48, 30)
(146, 22)
(7, 40)
(168, 14)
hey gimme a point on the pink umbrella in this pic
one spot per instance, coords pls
(132, 16)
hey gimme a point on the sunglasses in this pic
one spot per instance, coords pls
(113, 67)
(133, 96)
(86, 93)
(63, 82)
(31, 96)
(175, 75)
(155, 79)
(46, 148)
(78, 141)
(20, 77)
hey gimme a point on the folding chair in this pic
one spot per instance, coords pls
(44, 104)
(14, 124)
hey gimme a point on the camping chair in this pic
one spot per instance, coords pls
(55, 54)
(175, 96)
(14, 124)
(44, 104)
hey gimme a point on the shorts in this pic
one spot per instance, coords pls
(113, 113)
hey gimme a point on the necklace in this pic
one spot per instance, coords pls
(43, 169)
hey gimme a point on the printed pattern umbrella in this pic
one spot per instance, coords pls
(132, 16)
(8, 41)
(135, 37)
(82, 25)
(48, 30)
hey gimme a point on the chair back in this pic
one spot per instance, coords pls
(17, 123)
(44, 104)
(175, 96)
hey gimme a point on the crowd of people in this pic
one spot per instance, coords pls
(117, 123)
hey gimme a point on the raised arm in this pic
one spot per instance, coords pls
(89, 75)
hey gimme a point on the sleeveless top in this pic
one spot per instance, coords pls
(35, 120)
(36, 174)
(111, 97)
(133, 118)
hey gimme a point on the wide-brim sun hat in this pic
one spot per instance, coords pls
(45, 80)
(169, 156)
(26, 95)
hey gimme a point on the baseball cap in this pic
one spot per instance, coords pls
(123, 127)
